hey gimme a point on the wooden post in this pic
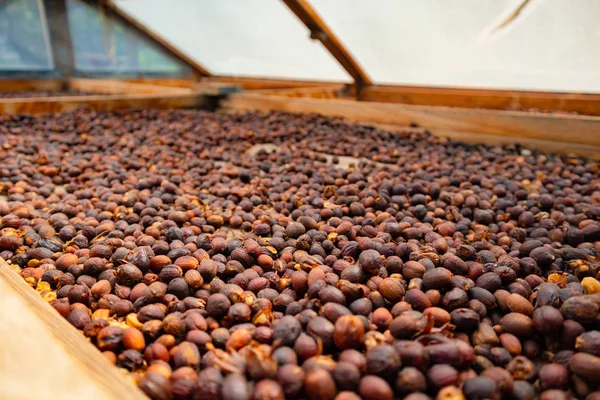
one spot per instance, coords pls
(60, 36)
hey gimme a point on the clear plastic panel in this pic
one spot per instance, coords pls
(547, 45)
(244, 38)
(24, 40)
(103, 45)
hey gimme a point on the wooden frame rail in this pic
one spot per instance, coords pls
(318, 92)
(111, 86)
(26, 85)
(490, 124)
(249, 83)
(112, 95)
(245, 82)
(320, 31)
(45, 105)
(581, 103)
(487, 99)
(44, 357)
(578, 134)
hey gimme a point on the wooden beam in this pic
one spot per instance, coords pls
(319, 30)
(121, 16)
(263, 83)
(510, 100)
(43, 105)
(60, 36)
(326, 92)
(114, 86)
(244, 82)
(24, 85)
(516, 125)
(588, 104)
(44, 357)
(171, 82)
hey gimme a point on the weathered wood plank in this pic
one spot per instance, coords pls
(171, 82)
(43, 105)
(562, 128)
(327, 92)
(114, 86)
(24, 85)
(245, 83)
(42, 356)
(587, 104)
(263, 83)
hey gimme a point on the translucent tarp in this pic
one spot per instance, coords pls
(549, 45)
(101, 44)
(546, 45)
(245, 38)
(24, 40)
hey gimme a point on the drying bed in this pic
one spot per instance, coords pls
(273, 255)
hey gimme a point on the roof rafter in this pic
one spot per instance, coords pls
(164, 44)
(320, 31)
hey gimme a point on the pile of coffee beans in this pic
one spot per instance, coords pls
(273, 255)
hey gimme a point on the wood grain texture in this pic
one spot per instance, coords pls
(42, 356)
(265, 83)
(561, 128)
(171, 82)
(320, 31)
(24, 85)
(245, 83)
(327, 92)
(587, 104)
(115, 86)
(43, 105)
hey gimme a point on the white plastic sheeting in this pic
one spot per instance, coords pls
(246, 38)
(551, 45)
(101, 44)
